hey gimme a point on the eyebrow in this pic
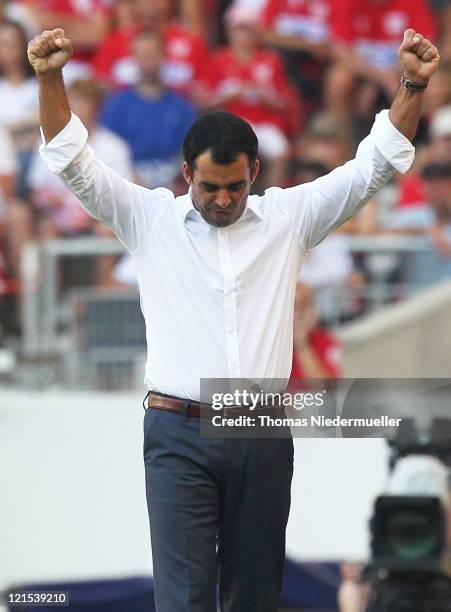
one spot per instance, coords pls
(229, 186)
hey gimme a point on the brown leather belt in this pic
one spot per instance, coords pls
(197, 409)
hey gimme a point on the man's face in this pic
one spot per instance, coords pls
(438, 194)
(243, 37)
(220, 191)
(11, 51)
(152, 12)
(149, 56)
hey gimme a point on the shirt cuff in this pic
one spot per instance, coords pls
(394, 146)
(65, 146)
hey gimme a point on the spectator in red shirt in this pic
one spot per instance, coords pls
(300, 30)
(248, 80)
(411, 194)
(185, 52)
(84, 21)
(317, 353)
(366, 33)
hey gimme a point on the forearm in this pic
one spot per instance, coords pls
(405, 111)
(54, 109)
(297, 43)
(354, 62)
(419, 59)
(293, 43)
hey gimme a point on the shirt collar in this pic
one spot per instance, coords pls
(252, 204)
(187, 205)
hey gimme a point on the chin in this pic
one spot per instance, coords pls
(220, 222)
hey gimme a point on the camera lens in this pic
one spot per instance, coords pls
(411, 534)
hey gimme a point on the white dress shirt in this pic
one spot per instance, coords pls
(218, 302)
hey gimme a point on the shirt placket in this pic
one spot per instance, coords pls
(230, 305)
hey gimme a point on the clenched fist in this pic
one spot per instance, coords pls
(418, 57)
(49, 51)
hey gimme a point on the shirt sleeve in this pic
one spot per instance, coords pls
(318, 207)
(125, 208)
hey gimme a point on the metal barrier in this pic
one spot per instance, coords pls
(43, 306)
(397, 267)
(383, 260)
(107, 346)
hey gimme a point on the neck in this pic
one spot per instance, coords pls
(150, 87)
(243, 55)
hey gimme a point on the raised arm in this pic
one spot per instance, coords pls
(419, 59)
(125, 208)
(319, 207)
(48, 53)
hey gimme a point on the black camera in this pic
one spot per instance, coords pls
(410, 567)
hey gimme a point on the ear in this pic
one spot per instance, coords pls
(186, 171)
(255, 170)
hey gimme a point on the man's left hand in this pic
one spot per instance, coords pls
(418, 57)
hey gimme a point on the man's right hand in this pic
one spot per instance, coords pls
(49, 51)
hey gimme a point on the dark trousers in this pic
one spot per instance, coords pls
(218, 511)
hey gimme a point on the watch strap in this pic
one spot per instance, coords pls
(412, 85)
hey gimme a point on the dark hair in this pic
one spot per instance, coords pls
(26, 66)
(224, 135)
(436, 170)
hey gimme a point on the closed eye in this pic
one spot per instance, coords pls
(209, 187)
(236, 186)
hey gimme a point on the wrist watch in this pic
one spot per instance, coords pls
(412, 85)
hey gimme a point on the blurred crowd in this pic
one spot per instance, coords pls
(309, 75)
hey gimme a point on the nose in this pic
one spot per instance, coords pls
(223, 198)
